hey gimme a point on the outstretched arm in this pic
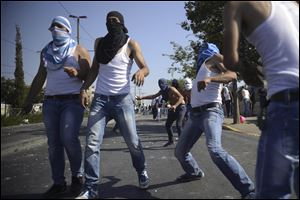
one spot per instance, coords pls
(149, 96)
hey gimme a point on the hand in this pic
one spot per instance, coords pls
(138, 78)
(27, 108)
(71, 71)
(84, 98)
(201, 85)
(172, 108)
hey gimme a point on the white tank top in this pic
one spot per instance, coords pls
(114, 77)
(212, 93)
(277, 42)
(59, 82)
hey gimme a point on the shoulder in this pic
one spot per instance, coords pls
(97, 42)
(82, 51)
(132, 44)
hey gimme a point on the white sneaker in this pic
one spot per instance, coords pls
(86, 195)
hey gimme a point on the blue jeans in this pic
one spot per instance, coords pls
(121, 108)
(277, 168)
(210, 121)
(62, 119)
(178, 115)
(246, 105)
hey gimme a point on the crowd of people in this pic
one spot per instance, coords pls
(196, 107)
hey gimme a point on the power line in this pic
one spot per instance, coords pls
(13, 43)
(92, 38)
(64, 8)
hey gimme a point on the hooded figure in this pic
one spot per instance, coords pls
(206, 51)
(62, 45)
(164, 88)
(113, 40)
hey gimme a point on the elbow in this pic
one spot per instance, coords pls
(231, 62)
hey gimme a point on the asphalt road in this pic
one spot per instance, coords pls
(25, 171)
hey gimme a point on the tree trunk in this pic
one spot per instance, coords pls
(236, 108)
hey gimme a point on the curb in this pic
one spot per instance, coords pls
(226, 127)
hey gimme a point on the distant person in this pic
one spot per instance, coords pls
(246, 102)
(273, 29)
(65, 64)
(154, 107)
(112, 63)
(227, 100)
(177, 107)
(187, 97)
(207, 116)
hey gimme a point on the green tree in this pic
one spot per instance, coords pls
(19, 73)
(7, 90)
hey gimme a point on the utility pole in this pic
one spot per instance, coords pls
(78, 17)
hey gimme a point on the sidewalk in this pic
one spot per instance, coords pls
(248, 127)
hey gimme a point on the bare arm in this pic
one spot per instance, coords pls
(36, 87)
(232, 26)
(224, 75)
(84, 61)
(91, 77)
(136, 52)
(149, 96)
(93, 73)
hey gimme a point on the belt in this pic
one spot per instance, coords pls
(206, 106)
(288, 95)
(61, 97)
(111, 97)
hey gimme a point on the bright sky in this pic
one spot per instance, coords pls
(152, 24)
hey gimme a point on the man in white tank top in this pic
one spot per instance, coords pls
(114, 56)
(64, 64)
(273, 28)
(207, 116)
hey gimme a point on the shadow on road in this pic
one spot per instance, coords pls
(109, 191)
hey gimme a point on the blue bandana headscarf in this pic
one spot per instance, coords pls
(58, 50)
(164, 88)
(207, 50)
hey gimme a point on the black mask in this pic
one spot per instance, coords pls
(114, 27)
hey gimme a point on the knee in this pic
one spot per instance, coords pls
(215, 152)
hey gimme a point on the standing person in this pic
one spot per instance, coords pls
(187, 97)
(112, 63)
(207, 116)
(154, 106)
(227, 100)
(273, 28)
(246, 102)
(177, 107)
(65, 65)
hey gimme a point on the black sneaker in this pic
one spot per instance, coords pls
(144, 180)
(168, 143)
(76, 185)
(188, 177)
(55, 190)
(250, 195)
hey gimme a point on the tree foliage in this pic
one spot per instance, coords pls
(7, 90)
(19, 73)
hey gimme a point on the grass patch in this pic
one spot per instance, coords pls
(17, 120)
